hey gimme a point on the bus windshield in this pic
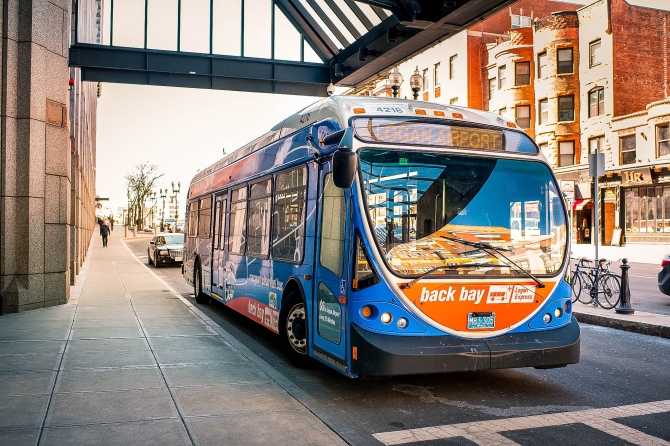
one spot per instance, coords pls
(458, 214)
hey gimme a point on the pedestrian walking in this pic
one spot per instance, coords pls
(111, 222)
(104, 233)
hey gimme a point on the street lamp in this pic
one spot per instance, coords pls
(176, 199)
(416, 83)
(395, 79)
(152, 197)
(163, 194)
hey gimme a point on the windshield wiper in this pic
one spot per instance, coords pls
(498, 251)
(404, 286)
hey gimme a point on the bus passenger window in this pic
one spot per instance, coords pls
(332, 226)
(205, 216)
(364, 275)
(258, 226)
(193, 219)
(238, 220)
(289, 215)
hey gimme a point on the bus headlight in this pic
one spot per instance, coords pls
(386, 317)
(546, 318)
(558, 313)
(402, 322)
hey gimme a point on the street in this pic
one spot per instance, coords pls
(519, 406)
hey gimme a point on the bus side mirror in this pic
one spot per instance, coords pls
(345, 161)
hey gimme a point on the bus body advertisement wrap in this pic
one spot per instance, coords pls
(448, 253)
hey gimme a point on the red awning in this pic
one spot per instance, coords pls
(580, 204)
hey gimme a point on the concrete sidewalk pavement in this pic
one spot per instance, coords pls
(651, 324)
(127, 361)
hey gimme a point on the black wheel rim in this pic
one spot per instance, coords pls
(296, 328)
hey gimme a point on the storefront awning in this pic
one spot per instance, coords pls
(581, 204)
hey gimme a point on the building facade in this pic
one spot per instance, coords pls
(581, 80)
(47, 145)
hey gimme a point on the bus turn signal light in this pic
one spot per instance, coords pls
(359, 111)
(366, 311)
(511, 125)
(438, 113)
(457, 115)
(419, 111)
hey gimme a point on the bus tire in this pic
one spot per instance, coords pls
(200, 296)
(293, 329)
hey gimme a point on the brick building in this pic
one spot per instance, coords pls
(580, 79)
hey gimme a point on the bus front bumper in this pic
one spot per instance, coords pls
(384, 355)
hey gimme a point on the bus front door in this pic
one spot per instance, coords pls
(218, 254)
(329, 316)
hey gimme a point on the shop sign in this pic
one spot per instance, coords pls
(636, 176)
(568, 188)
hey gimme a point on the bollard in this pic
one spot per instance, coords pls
(125, 231)
(624, 296)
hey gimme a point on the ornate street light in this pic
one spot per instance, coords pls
(176, 191)
(416, 83)
(395, 79)
(163, 194)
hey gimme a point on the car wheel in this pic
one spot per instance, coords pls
(149, 257)
(293, 329)
(156, 262)
(200, 296)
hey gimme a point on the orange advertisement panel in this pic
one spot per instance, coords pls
(450, 303)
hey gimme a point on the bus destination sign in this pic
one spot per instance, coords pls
(391, 131)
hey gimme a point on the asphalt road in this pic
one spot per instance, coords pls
(617, 369)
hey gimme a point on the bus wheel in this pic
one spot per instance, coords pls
(293, 329)
(200, 296)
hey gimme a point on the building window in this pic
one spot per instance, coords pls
(647, 209)
(452, 66)
(453, 101)
(492, 87)
(566, 153)
(522, 73)
(425, 79)
(566, 108)
(544, 150)
(542, 65)
(502, 77)
(663, 140)
(565, 61)
(594, 53)
(628, 152)
(597, 144)
(596, 102)
(523, 116)
(436, 73)
(520, 21)
(543, 111)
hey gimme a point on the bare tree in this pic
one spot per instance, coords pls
(140, 184)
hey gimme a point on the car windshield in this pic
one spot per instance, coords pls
(432, 210)
(170, 239)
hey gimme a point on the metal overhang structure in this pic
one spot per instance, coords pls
(357, 40)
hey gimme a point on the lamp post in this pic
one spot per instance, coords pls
(416, 83)
(128, 208)
(175, 191)
(395, 79)
(152, 197)
(163, 194)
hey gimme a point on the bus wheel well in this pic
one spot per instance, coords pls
(291, 286)
(200, 296)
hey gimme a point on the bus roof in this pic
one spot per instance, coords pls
(341, 108)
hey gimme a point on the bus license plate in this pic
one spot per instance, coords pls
(481, 320)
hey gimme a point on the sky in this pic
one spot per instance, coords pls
(181, 130)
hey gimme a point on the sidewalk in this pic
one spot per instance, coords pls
(127, 361)
(640, 322)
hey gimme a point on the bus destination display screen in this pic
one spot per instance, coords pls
(403, 132)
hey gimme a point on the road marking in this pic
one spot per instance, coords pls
(488, 432)
(644, 277)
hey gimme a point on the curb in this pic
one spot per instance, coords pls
(618, 324)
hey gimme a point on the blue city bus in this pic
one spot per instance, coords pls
(382, 236)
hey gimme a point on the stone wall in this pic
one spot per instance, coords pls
(36, 168)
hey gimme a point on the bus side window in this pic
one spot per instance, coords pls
(364, 275)
(332, 226)
(288, 223)
(238, 221)
(258, 225)
(193, 219)
(204, 218)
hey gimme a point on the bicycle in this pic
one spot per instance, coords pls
(589, 283)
